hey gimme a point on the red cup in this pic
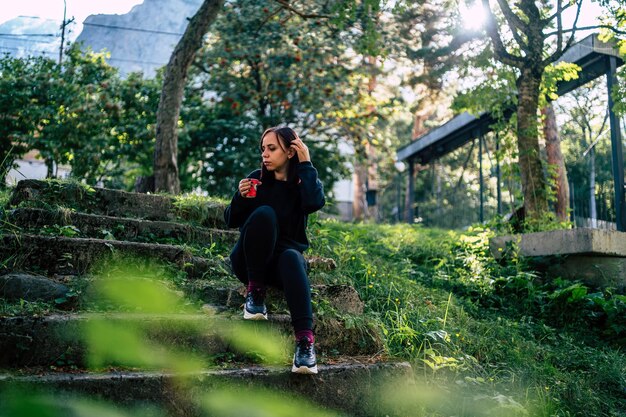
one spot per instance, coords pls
(253, 184)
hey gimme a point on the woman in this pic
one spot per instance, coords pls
(271, 208)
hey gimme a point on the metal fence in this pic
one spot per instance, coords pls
(583, 212)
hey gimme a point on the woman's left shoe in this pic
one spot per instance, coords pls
(304, 361)
(254, 307)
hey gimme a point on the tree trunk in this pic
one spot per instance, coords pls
(409, 195)
(556, 163)
(533, 181)
(419, 117)
(49, 168)
(370, 170)
(372, 182)
(166, 147)
(438, 193)
(359, 203)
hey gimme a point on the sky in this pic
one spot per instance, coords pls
(590, 11)
(53, 9)
(80, 9)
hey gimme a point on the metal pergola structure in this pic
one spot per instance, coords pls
(596, 58)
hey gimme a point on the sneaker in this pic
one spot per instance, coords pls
(304, 361)
(254, 308)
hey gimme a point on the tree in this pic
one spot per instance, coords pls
(165, 161)
(79, 114)
(263, 67)
(76, 101)
(531, 38)
(131, 138)
(18, 112)
(432, 34)
(166, 148)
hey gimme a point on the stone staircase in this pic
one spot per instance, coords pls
(63, 244)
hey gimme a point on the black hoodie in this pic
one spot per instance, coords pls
(292, 204)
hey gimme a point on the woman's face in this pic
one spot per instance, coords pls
(275, 156)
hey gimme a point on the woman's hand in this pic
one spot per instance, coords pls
(245, 185)
(301, 149)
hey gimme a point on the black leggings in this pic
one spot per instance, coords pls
(257, 256)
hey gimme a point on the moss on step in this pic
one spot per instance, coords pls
(51, 194)
(64, 222)
(29, 341)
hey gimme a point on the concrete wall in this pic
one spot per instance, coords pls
(595, 257)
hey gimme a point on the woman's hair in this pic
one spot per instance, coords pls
(285, 136)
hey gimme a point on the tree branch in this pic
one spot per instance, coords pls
(201, 67)
(511, 17)
(563, 8)
(560, 51)
(515, 23)
(501, 53)
(597, 139)
(267, 19)
(559, 26)
(574, 29)
(286, 5)
(576, 21)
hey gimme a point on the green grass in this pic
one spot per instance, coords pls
(464, 320)
(195, 208)
(25, 308)
(5, 195)
(484, 338)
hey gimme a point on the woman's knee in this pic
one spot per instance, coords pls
(292, 259)
(264, 214)
(259, 234)
(261, 223)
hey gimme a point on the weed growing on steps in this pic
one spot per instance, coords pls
(61, 194)
(5, 195)
(194, 208)
(24, 308)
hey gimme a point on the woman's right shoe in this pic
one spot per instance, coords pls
(304, 360)
(254, 307)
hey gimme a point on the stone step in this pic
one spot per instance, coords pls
(56, 255)
(340, 298)
(33, 220)
(116, 203)
(58, 340)
(220, 296)
(351, 387)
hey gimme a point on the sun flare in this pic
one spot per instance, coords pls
(473, 14)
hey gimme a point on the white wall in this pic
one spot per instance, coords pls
(32, 169)
(342, 191)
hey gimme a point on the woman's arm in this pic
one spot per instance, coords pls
(311, 189)
(237, 212)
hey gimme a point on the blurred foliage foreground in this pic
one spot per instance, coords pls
(484, 338)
